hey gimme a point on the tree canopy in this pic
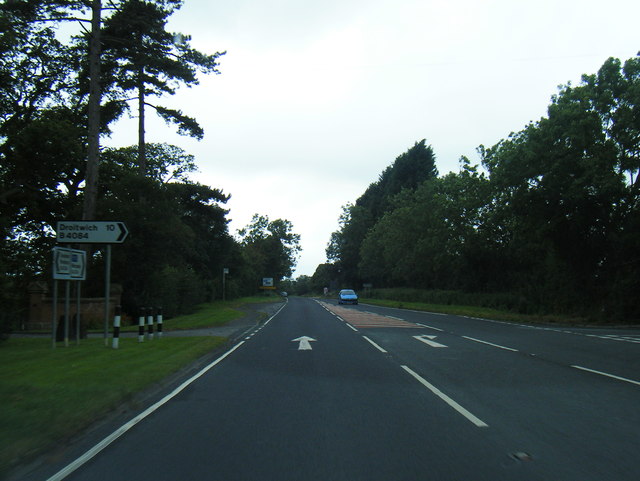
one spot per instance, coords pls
(179, 241)
(409, 170)
(547, 223)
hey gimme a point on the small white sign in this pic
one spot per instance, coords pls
(69, 264)
(267, 282)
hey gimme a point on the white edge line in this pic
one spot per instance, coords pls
(126, 427)
(607, 375)
(491, 344)
(427, 312)
(478, 422)
(429, 327)
(277, 312)
(351, 326)
(374, 344)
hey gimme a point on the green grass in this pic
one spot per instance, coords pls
(210, 314)
(50, 394)
(474, 311)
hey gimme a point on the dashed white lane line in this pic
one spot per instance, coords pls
(430, 327)
(374, 345)
(613, 376)
(490, 344)
(478, 422)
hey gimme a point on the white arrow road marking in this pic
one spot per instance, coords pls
(304, 343)
(429, 340)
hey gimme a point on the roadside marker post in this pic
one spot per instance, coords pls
(159, 321)
(150, 324)
(141, 325)
(116, 328)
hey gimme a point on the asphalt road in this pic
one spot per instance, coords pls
(386, 394)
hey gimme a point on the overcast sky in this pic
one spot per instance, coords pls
(316, 98)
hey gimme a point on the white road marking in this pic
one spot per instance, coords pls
(607, 375)
(304, 343)
(351, 326)
(478, 422)
(428, 340)
(427, 312)
(429, 327)
(91, 453)
(396, 318)
(374, 344)
(490, 344)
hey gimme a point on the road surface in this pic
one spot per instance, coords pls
(328, 392)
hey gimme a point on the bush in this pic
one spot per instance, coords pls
(500, 301)
(178, 290)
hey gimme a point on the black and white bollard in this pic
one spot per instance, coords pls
(159, 321)
(141, 320)
(150, 323)
(116, 328)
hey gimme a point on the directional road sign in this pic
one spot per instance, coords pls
(91, 232)
(69, 264)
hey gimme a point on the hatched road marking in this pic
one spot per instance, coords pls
(367, 320)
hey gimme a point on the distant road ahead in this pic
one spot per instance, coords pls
(326, 392)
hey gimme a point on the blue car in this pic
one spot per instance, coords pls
(347, 296)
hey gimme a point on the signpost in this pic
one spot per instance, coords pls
(91, 232)
(87, 232)
(69, 264)
(267, 283)
(225, 271)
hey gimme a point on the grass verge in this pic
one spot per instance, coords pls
(48, 395)
(474, 311)
(211, 314)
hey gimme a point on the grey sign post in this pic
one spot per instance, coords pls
(95, 232)
(68, 265)
(225, 271)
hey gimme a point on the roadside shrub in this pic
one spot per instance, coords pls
(500, 301)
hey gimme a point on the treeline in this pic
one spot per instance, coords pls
(548, 223)
(179, 241)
